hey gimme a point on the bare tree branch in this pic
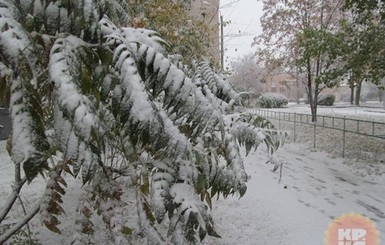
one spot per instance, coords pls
(11, 200)
(20, 224)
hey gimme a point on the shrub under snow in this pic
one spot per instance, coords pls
(326, 99)
(272, 100)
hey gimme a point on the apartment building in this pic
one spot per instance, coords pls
(209, 11)
(285, 84)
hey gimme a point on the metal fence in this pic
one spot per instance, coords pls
(345, 125)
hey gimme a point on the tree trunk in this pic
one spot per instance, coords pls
(316, 93)
(312, 101)
(297, 90)
(297, 85)
(383, 93)
(351, 93)
(358, 93)
(383, 99)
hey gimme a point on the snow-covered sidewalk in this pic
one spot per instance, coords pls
(313, 191)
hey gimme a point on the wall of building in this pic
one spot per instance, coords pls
(284, 84)
(208, 10)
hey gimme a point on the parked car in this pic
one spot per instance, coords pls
(5, 123)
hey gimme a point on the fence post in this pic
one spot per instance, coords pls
(279, 120)
(343, 140)
(295, 120)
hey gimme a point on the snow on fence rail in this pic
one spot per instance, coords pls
(346, 125)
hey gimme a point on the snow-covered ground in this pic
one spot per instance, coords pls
(357, 147)
(369, 111)
(315, 188)
(313, 191)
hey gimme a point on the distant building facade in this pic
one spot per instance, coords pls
(209, 11)
(285, 84)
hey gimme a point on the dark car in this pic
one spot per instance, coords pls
(5, 123)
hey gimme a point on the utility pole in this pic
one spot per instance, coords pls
(222, 50)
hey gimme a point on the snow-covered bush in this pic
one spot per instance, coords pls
(248, 99)
(91, 98)
(272, 100)
(326, 99)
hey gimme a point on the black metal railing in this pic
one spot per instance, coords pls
(344, 124)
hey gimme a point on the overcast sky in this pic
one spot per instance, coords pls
(245, 25)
